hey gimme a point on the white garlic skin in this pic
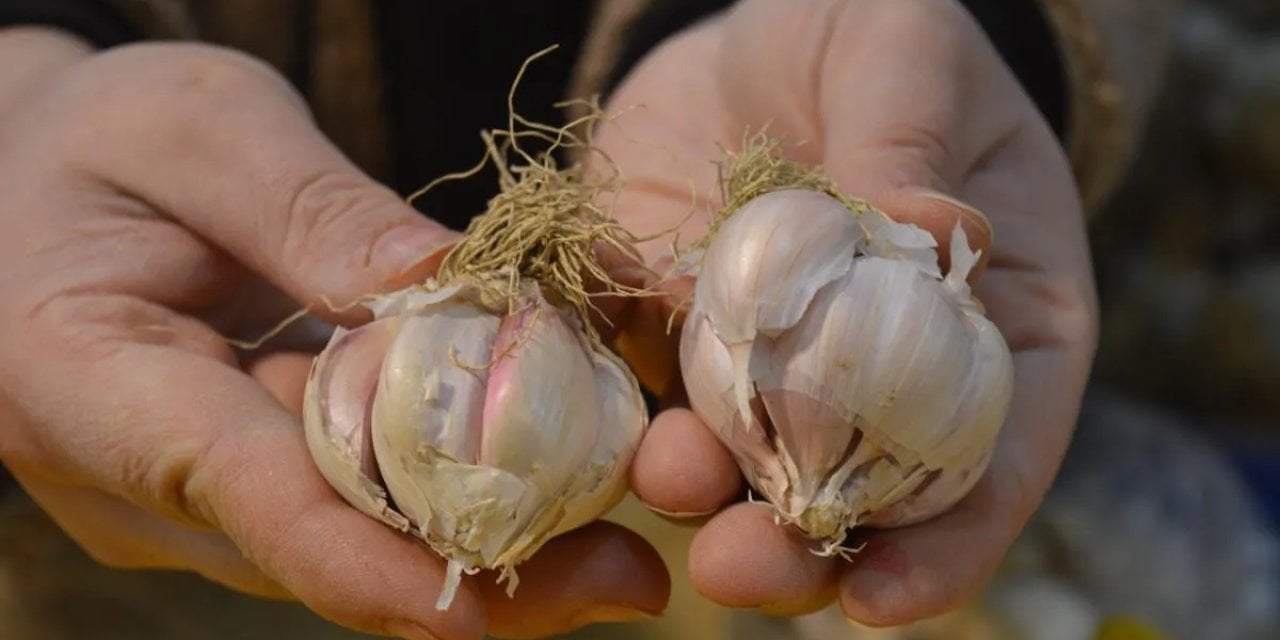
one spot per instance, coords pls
(854, 383)
(491, 433)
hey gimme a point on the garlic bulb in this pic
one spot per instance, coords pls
(853, 382)
(484, 429)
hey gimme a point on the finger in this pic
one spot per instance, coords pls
(914, 573)
(265, 184)
(648, 332)
(681, 469)
(284, 375)
(260, 485)
(908, 120)
(907, 141)
(192, 438)
(898, 130)
(118, 534)
(742, 558)
(599, 573)
(667, 151)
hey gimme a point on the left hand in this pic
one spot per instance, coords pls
(156, 198)
(906, 104)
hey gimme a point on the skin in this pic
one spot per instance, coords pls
(155, 195)
(157, 198)
(905, 103)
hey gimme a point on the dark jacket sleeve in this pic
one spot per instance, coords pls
(95, 21)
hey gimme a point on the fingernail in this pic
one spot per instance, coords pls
(601, 613)
(411, 249)
(976, 217)
(680, 515)
(407, 630)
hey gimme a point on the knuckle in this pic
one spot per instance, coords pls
(217, 477)
(327, 207)
(87, 327)
(1074, 320)
(213, 474)
(931, 147)
(169, 87)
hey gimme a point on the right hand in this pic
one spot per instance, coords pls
(146, 191)
(905, 103)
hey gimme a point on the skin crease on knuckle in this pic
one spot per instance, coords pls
(86, 335)
(319, 206)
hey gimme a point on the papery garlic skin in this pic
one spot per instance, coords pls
(854, 384)
(492, 432)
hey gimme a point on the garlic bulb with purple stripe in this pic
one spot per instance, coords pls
(483, 429)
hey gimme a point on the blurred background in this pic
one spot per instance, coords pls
(1162, 523)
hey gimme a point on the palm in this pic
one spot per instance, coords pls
(888, 96)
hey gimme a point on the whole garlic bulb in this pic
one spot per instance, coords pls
(482, 431)
(854, 383)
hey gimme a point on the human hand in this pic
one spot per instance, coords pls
(905, 103)
(151, 193)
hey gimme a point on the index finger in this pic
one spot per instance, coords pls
(219, 142)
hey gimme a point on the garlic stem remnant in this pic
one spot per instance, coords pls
(480, 411)
(853, 381)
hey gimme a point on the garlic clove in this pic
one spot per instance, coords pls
(707, 371)
(710, 381)
(427, 415)
(433, 381)
(936, 494)
(770, 258)
(602, 482)
(897, 340)
(540, 415)
(812, 442)
(336, 406)
(622, 416)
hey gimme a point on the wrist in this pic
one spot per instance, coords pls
(32, 56)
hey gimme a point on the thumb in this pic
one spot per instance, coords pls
(903, 127)
(269, 188)
(891, 94)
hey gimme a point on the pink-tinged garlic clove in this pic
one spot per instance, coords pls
(337, 407)
(540, 414)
